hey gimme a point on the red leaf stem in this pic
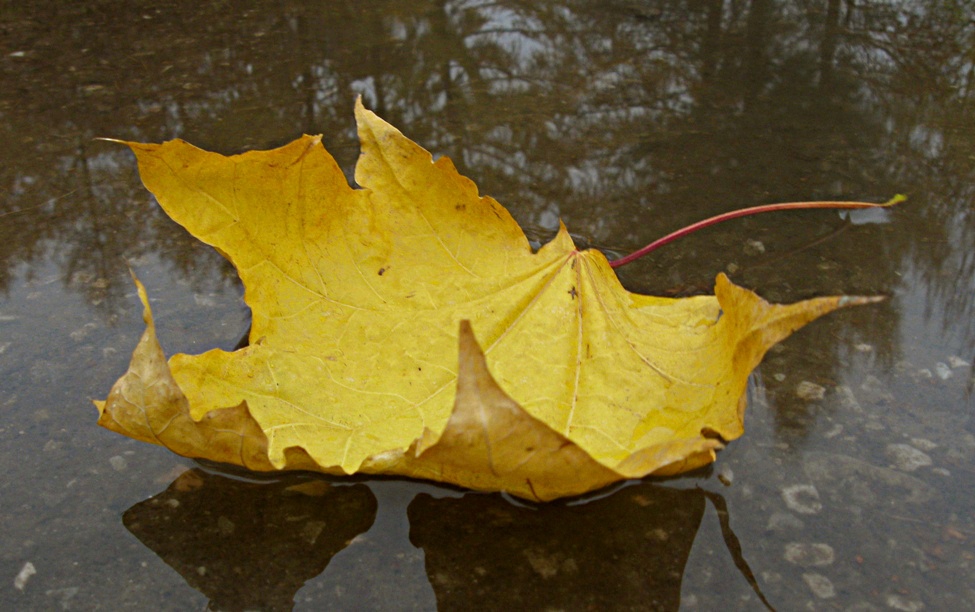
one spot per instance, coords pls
(744, 212)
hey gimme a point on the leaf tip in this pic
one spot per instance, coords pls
(361, 112)
(859, 300)
(115, 140)
(136, 147)
(144, 298)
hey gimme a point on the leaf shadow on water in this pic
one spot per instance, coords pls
(248, 544)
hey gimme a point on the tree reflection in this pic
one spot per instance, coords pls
(625, 120)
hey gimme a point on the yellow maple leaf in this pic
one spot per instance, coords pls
(361, 357)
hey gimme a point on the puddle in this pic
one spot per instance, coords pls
(854, 484)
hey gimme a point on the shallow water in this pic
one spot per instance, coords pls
(624, 119)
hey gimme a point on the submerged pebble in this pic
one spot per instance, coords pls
(898, 602)
(754, 247)
(907, 458)
(810, 391)
(875, 391)
(923, 444)
(118, 463)
(820, 585)
(802, 498)
(225, 526)
(957, 362)
(848, 399)
(783, 521)
(834, 431)
(205, 301)
(943, 371)
(63, 596)
(725, 475)
(848, 480)
(805, 554)
(82, 332)
(24, 575)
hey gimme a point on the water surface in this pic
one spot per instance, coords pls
(623, 119)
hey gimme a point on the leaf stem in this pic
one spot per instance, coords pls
(744, 212)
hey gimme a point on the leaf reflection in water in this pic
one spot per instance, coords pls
(249, 545)
(246, 544)
(623, 551)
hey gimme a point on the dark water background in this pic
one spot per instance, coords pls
(625, 119)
